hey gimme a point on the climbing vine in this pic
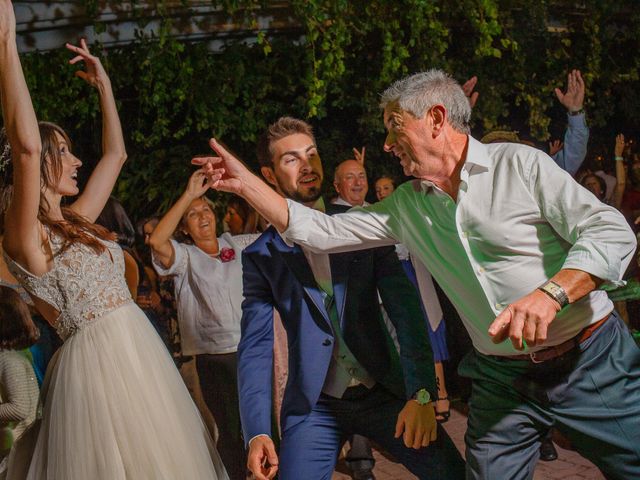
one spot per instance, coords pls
(329, 67)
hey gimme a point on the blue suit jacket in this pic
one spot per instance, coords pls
(276, 275)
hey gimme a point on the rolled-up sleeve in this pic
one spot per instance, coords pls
(357, 229)
(602, 241)
(179, 265)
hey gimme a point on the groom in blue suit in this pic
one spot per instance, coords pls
(345, 374)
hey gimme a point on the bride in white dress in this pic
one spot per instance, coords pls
(114, 405)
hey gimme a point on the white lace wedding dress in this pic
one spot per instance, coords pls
(115, 406)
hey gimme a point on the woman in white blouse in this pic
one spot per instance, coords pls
(207, 272)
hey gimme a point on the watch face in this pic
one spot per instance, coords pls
(423, 397)
(554, 289)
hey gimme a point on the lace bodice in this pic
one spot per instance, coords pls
(82, 285)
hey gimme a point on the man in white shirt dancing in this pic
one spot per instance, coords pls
(520, 249)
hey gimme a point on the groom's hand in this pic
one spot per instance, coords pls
(262, 459)
(418, 422)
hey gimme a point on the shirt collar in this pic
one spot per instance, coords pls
(477, 161)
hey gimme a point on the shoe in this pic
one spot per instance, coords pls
(442, 416)
(548, 452)
(364, 474)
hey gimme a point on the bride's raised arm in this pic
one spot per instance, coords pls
(95, 195)
(23, 156)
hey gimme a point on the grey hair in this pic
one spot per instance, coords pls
(419, 92)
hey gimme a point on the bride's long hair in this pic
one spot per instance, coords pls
(73, 228)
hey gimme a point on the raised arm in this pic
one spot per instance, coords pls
(621, 174)
(355, 230)
(576, 137)
(160, 240)
(95, 195)
(21, 227)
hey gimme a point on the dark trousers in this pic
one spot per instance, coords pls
(309, 450)
(590, 394)
(359, 456)
(219, 383)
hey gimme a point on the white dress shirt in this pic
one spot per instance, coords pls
(208, 295)
(518, 220)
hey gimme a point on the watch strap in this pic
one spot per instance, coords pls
(556, 292)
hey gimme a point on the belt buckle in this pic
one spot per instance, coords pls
(532, 357)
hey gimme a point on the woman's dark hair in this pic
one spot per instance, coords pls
(242, 207)
(17, 330)
(142, 222)
(115, 219)
(250, 217)
(73, 228)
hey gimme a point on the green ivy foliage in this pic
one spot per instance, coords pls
(174, 94)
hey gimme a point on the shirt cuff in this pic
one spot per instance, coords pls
(259, 435)
(578, 120)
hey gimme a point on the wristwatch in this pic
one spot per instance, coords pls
(422, 396)
(556, 292)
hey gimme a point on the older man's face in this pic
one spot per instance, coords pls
(408, 139)
(351, 182)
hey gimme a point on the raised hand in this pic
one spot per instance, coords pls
(359, 155)
(619, 148)
(95, 74)
(573, 98)
(198, 184)
(225, 171)
(228, 174)
(555, 147)
(468, 87)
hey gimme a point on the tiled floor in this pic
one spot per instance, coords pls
(569, 466)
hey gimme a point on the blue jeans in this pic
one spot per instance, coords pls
(591, 394)
(309, 450)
